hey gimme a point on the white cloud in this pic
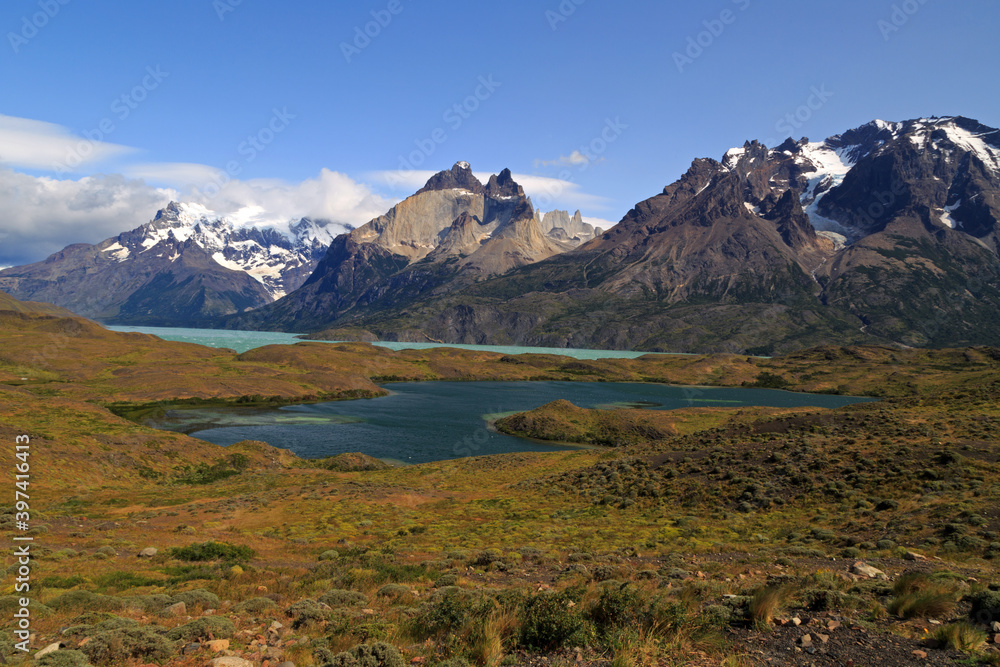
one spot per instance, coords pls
(43, 215)
(330, 196)
(574, 159)
(35, 144)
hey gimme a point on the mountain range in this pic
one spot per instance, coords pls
(887, 233)
(185, 266)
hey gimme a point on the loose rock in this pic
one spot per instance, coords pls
(865, 570)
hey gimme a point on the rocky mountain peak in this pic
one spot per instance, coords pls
(459, 177)
(503, 186)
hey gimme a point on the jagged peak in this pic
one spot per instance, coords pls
(459, 177)
(503, 186)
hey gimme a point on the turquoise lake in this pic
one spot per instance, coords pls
(241, 341)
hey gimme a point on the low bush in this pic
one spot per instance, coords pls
(379, 654)
(342, 598)
(548, 622)
(64, 658)
(305, 612)
(197, 597)
(985, 607)
(207, 551)
(116, 647)
(208, 627)
(256, 605)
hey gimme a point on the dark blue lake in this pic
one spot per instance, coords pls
(431, 421)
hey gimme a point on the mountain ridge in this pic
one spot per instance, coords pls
(886, 233)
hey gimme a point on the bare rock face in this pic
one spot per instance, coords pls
(567, 230)
(452, 232)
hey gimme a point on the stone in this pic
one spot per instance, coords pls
(806, 640)
(176, 609)
(796, 621)
(51, 648)
(275, 625)
(912, 555)
(823, 638)
(193, 647)
(217, 645)
(919, 655)
(832, 625)
(996, 626)
(996, 638)
(865, 570)
(231, 661)
(286, 663)
(148, 552)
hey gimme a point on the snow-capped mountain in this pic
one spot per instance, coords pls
(186, 265)
(887, 233)
(279, 257)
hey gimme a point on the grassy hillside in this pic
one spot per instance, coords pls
(7, 302)
(704, 536)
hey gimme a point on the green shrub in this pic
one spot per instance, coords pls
(618, 606)
(116, 647)
(547, 621)
(342, 598)
(329, 554)
(305, 612)
(207, 551)
(487, 557)
(62, 582)
(379, 654)
(447, 610)
(63, 658)
(256, 605)
(125, 580)
(394, 591)
(153, 603)
(985, 607)
(446, 580)
(207, 627)
(113, 623)
(831, 600)
(196, 597)
(86, 600)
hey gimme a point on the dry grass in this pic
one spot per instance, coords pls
(961, 636)
(765, 605)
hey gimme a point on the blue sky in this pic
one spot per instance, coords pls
(587, 101)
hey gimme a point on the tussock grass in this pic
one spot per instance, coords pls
(765, 605)
(919, 595)
(962, 636)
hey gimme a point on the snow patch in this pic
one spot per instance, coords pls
(732, 157)
(117, 251)
(946, 216)
(831, 166)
